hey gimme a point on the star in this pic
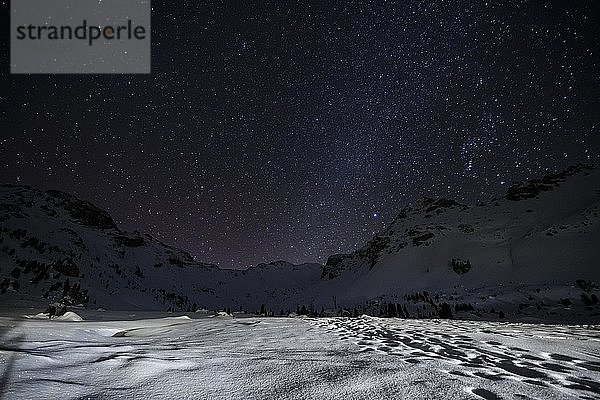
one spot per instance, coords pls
(273, 131)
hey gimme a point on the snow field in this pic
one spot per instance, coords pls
(292, 358)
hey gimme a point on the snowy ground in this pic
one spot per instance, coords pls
(364, 358)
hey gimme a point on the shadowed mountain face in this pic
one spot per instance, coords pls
(531, 254)
(54, 246)
(546, 225)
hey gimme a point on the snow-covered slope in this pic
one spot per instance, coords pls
(531, 254)
(522, 253)
(54, 246)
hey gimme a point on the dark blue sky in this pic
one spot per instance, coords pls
(295, 130)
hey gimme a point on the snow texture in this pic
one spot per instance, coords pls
(111, 355)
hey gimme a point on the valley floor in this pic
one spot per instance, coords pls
(291, 358)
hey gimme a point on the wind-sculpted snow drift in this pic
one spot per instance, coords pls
(530, 255)
(292, 358)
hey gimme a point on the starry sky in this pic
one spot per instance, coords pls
(295, 130)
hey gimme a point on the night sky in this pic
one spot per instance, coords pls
(295, 130)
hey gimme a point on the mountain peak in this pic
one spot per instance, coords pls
(16, 200)
(534, 187)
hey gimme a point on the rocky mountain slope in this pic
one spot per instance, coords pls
(531, 254)
(534, 252)
(55, 247)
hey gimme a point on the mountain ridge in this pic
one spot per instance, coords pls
(56, 247)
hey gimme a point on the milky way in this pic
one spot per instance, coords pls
(279, 130)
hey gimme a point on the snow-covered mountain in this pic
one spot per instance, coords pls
(532, 254)
(54, 246)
